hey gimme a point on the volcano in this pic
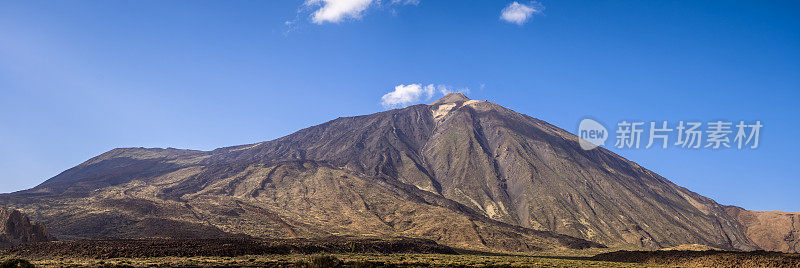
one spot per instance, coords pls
(464, 173)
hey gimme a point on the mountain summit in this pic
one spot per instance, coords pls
(451, 98)
(465, 173)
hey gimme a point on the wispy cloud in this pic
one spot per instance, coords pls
(405, 2)
(335, 11)
(444, 89)
(404, 95)
(519, 14)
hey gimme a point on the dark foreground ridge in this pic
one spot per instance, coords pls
(144, 248)
(708, 258)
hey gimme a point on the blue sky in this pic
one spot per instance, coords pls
(78, 78)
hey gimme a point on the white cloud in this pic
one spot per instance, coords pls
(337, 10)
(444, 89)
(520, 13)
(406, 94)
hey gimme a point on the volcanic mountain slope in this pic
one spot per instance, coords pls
(462, 172)
(16, 228)
(294, 198)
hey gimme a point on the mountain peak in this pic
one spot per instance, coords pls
(451, 98)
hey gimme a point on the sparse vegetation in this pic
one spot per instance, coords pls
(344, 261)
(16, 263)
(323, 261)
(471, 259)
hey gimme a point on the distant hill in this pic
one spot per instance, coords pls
(461, 172)
(770, 230)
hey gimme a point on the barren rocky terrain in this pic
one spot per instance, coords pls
(224, 247)
(710, 258)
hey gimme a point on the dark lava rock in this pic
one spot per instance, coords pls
(16, 228)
